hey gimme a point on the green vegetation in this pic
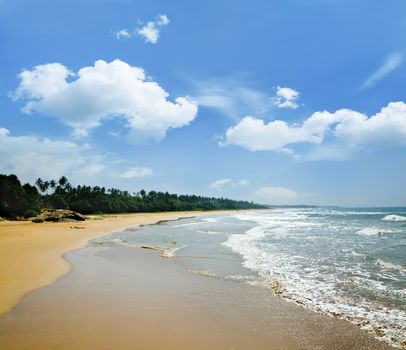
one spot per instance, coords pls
(18, 200)
(26, 200)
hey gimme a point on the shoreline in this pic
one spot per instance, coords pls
(124, 297)
(32, 255)
(102, 280)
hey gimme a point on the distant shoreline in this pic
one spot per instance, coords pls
(32, 255)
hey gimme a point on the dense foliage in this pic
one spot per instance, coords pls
(18, 200)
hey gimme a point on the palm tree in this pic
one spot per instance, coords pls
(63, 181)
(42, 185)
(52, 183)
(38, 182)
(46, 185)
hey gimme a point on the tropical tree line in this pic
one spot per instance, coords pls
(28, 200)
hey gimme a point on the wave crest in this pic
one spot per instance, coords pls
(394, 218)
(371, 231)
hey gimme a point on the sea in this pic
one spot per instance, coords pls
(349, 263)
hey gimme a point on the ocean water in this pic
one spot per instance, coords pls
(348, 263)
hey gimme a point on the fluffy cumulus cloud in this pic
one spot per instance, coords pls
(255, 135)
(348, 128)
(280, 196)
(286, 98)
(221, 183)
(150, 32)
(31, 157)
(106, 90)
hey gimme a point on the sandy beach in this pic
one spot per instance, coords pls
(130, 298)
(126, 297)
(31, 255)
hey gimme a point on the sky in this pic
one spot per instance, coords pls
(278, 102)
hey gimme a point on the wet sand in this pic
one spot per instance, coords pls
(119, 297)
(31, 255)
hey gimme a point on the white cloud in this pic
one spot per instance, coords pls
(280, 196)
(237, 97)
(255, 135)
(286, 98)
(123, 34)
(348, 128)
(136, 172)
(392, 62)
(232, 97)
(30, 157)
(44, 81)
(105, 90)
(150, 32)
(162, 20)
(221, 183)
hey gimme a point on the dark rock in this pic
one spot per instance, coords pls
(58, 215)
(36, 220)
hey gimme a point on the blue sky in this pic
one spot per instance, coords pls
(271, 101)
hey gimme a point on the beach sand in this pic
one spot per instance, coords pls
(129, 298)
(120, 297)
(31, 255)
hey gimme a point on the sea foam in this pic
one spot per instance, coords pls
(388, 265)
(370, 231)
(394, 218)
(297, 269)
